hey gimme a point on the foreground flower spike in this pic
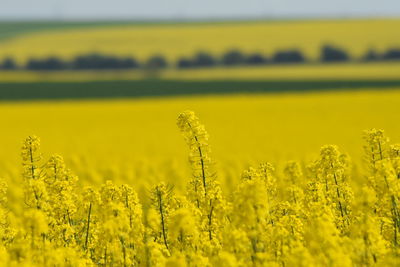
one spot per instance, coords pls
(331, 170)
(204, 191)
(35, 186)
(376, 146)
(199, 156)
(161, 198)
(384, 179)
(31, 157)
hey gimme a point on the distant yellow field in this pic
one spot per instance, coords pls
(371, 71)
(139, 134)
(173, 41)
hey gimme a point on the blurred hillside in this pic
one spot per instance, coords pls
(131, 59)
(178, 40)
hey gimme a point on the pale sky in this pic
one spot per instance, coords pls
(190, 9)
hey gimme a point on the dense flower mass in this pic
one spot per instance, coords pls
(314, 214)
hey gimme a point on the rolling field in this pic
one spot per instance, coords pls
(117, 84)
(11, 29)
(343, 72)
(176, 40)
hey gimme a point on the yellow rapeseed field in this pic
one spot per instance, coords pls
(272, 180)
(245, 128)
(173, 41)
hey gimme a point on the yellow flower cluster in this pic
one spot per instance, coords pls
(313, 214)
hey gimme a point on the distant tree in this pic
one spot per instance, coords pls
(129, 63)
(97, 61)
(233, 57)
(371, 55)
(51, 63)
(256, 59)
(392, 54)
(203, 59)
(90, 61)
(184, 63)
(333, 54)
(32, 64)
(156, 62)
(290, 56)
(9, 64)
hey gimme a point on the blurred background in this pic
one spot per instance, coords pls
(155, 48)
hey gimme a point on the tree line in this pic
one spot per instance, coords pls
(97, 61)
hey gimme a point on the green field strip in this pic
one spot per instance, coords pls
(163, 88)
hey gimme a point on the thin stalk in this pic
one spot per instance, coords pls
(337, 192)
(161, 210)
(203, 173)
(31, 160)
(88, 226)
(210, 220)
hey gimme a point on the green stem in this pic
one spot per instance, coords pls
(161, 210)
(88, 226)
